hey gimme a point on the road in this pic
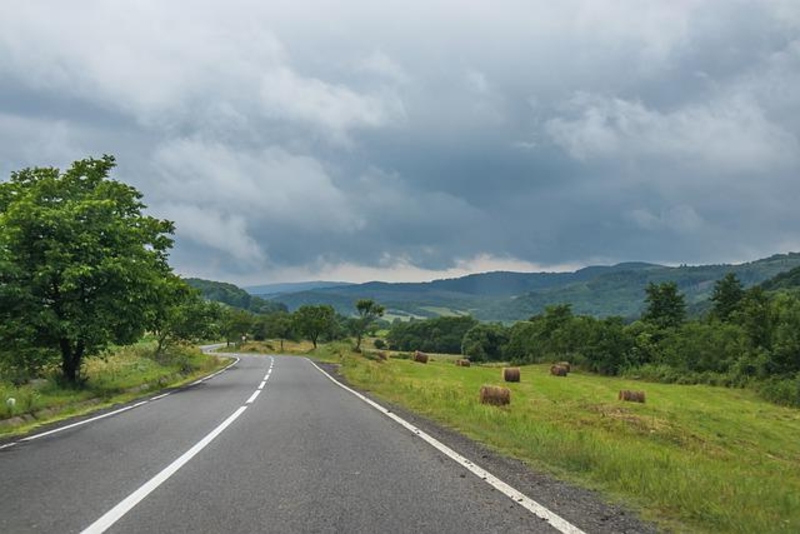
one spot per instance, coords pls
(301, 454)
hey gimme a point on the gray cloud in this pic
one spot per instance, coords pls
(415, 138)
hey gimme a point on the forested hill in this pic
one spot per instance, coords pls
(234, 296)
(789, 280)
(506, 296)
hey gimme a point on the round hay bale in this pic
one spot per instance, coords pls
(511, 374)
(382, 356)
(631, 396)
(420, 357)
(495, 395)
(565, 365)
(558, 370)
(463, 362)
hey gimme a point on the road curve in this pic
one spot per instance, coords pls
(300, 454)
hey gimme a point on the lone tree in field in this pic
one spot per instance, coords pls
(80, 261)
(313, 321)
(665, 306)
(368, 312)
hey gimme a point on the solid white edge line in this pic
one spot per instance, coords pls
(109, 414)
(116, 513)
(262, 384)
(556, 521)
(84, 422)
(253, 397)
(158, 397)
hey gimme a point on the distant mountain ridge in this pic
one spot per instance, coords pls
(510, 296)
(269, 290)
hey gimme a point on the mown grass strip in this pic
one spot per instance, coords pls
(126, 374)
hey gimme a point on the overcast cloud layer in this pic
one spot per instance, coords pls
(414, 140)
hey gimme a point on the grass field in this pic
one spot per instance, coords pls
(693, 458)
(124, 374)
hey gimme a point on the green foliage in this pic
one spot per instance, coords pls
(80, 261)
(784, 391)
(181, 314)
(485, 342)
(666, 308)
(235, 324)
(442, 334)
(789, 280)
(275, 326)
(703, 347)
(368, 312)
(728, 294)
(314, 321)
(235, 296)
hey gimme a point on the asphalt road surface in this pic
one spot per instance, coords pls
(270, 445)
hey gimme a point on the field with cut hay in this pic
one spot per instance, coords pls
(693, 458)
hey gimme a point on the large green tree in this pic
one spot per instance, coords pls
(727, 296)
(368, 312)
(313, 321)
(181, 313)
(666, 307)
(80, 260)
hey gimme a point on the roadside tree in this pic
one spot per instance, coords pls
(80, 261)
(314, 321)
(368, 312)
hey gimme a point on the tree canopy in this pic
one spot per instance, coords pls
(368, 312)
(80, 261)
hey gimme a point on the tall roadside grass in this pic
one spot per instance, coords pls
(119, 375)
(694, 458)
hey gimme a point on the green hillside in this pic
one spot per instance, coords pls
(787, 281)
(504, 296)
(234, 296)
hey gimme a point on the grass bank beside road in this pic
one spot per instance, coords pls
(693, 458)
(122, 375)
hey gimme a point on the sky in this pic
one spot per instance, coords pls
(408, 141)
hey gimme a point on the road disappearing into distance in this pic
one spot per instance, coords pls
(272, 444)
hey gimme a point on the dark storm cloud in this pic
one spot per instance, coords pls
(408, 138)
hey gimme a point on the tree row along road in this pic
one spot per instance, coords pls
(285, 449)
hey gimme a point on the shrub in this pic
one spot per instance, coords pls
(784, 391)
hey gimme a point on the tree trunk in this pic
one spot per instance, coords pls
(281, 344)
(71, 361)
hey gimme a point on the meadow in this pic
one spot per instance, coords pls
(692, 458)
(120, 375)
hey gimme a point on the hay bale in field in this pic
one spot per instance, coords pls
(461, 362)
(631, 396)
(382, 356)
(420, 357)
(511, 374)
(565, 365)
(495, 395)
(558, 370)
